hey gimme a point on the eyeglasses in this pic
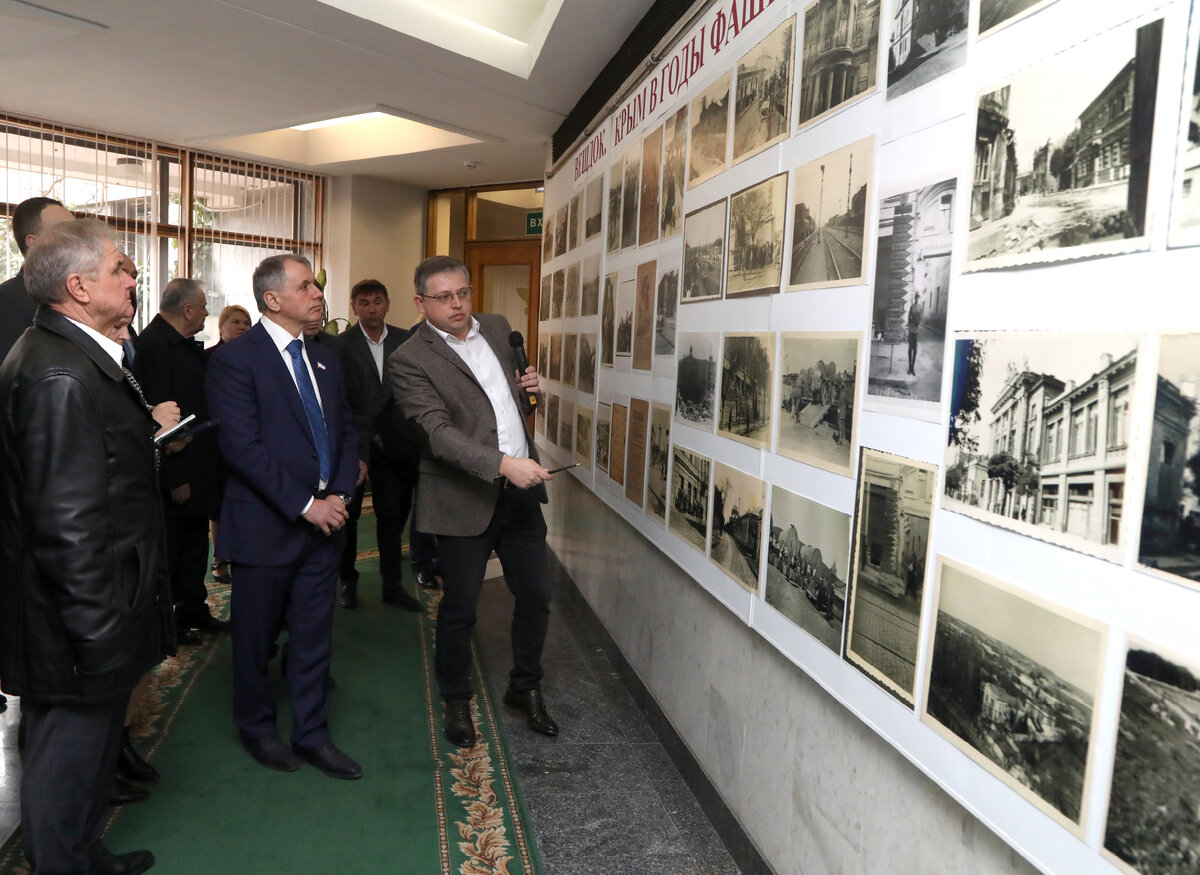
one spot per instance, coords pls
(445, 297)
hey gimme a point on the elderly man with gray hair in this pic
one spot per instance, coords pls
(170, 364)
(86, 609)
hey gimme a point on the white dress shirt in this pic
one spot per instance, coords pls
(481, 359)
(376, 348)
(110, 346)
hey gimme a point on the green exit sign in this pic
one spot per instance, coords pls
(533, 223)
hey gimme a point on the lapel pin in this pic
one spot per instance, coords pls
(320, 367)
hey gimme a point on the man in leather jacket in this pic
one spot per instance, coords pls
(87, 608)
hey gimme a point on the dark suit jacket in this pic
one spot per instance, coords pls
(16, 312)
(266, 441)
(460, 458)
(372, 401)
(171, 367)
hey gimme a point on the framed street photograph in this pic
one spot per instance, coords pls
(635, 458)
(818, 392)
(660, 455)
(709, 152)
(547, 237)
(590, 301)
(910, 300)
(625, 303)
(573, 221)
(887, 568)
(556, 351)
(696, 378)
(583, 436)
(830, 200)
(1061, 178)
(612, 237)
(762, 109)
(560, 290)
(571, 297)
(666, 311)
(688, 513)
(543, 360)
(587, 363)
(839, 58)
(704, 253)
(735, 543)
(539, 418)
(1040, 428)
(629, 198)
(544, 297)
(674, 162)
(552, 402)
(747, 366)
(566, 425)
(643, 320)
(808, 557)
(1013, 682)
(651, 172)
(603, 435)
(928, 40)
(560, 231)
(995, 14)
(608, 321)
(570, 354)
(595, 207)
(756, 219)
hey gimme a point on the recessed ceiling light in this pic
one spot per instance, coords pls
(341, 120)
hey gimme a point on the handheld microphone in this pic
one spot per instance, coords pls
(517, 342)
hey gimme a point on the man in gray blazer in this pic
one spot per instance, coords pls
(481, 485)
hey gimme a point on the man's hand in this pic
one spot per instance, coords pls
(166, 415)
(523, 473)
(181, 494)
(327, 514)
(529, 380)
(362, 473)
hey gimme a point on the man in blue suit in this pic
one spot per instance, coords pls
(291, 445)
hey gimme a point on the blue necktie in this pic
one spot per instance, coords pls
(312, 408)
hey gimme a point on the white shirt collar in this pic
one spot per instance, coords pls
(110, 346)
(279, 335)
(382, 335)
(450, 338)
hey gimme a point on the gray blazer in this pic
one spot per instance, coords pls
(460, 457)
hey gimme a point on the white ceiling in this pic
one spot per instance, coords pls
(199, 72)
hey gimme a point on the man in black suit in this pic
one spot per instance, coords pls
(30, 218)
(291, 446)
(388, 446)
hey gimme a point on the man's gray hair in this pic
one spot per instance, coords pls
(180, 292)
(271, 274)
(58, 252)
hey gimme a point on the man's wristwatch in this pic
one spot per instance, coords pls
(346, 499)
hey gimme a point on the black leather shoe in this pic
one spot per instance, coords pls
(124, 792)
(329, 759)
(130, 764)
(124, 864)
(348, 594)
(269, 751)
(187, 637)
(533, 706)
(398, 598)
(206, 622)
(460, 729)
(426, 579)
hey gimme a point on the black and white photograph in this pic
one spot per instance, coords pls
(1012, 683)
(1155, 790)
(552, 418)
(566, 426)
(708, 154)
(587, 363)
(603, 435)
(762, 105)
(635, 451)
(674, 164)
(747, 366)
(704, 253)
(911, 295)
(595, 207)
(616, 453)
(1066, 177)
(543, 360)
(643, 320)
(547, 237)
(756, 220)
(666, 310)
(560, 290)
(571, 296)
(612, 236)
(651, 173)
(583, 436)
(629, 198)
(560, 231)
(928, 40)
(608, 321)
(887, 568)
(830, 200)
(1185, 199)
(995, 14)
(570, 356)
(589, 304)
(556, 345)
(626, 293)
(1170, 535)
(539, 418)
(839, 60)
(818, 388)
(660, 454)
(688, 514)
(573, 221)
(808, 557)
(1040, 427)
(735, 543)
(544, 298)
(696, 377)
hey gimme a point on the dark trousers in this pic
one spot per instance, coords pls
(422, 548)
(392, 498)
(68, 765)
(517, 532)
(187, 565)
(262, 596)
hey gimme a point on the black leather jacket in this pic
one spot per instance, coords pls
(85, 607)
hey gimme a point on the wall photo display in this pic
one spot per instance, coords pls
(608, 321)
(928, 40)
(688, 515)
(762, 109)
(583, 436)
(612, 235)
(738, 505)
(747, 368)
(626, 299)
(595, 208)
(756, 223)
(660, 457)
(629, 197)
(696, 378)
(708, 154)
(666, 310)
(1185, 198)
(616, 453)
(839, 56)
(589, 304)
(643, 317)
(587, 363)
(603, 435)
(704, 253)
(674, 164)
(818, 390)
(648, 217)
(635, 463)
(566, 426)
